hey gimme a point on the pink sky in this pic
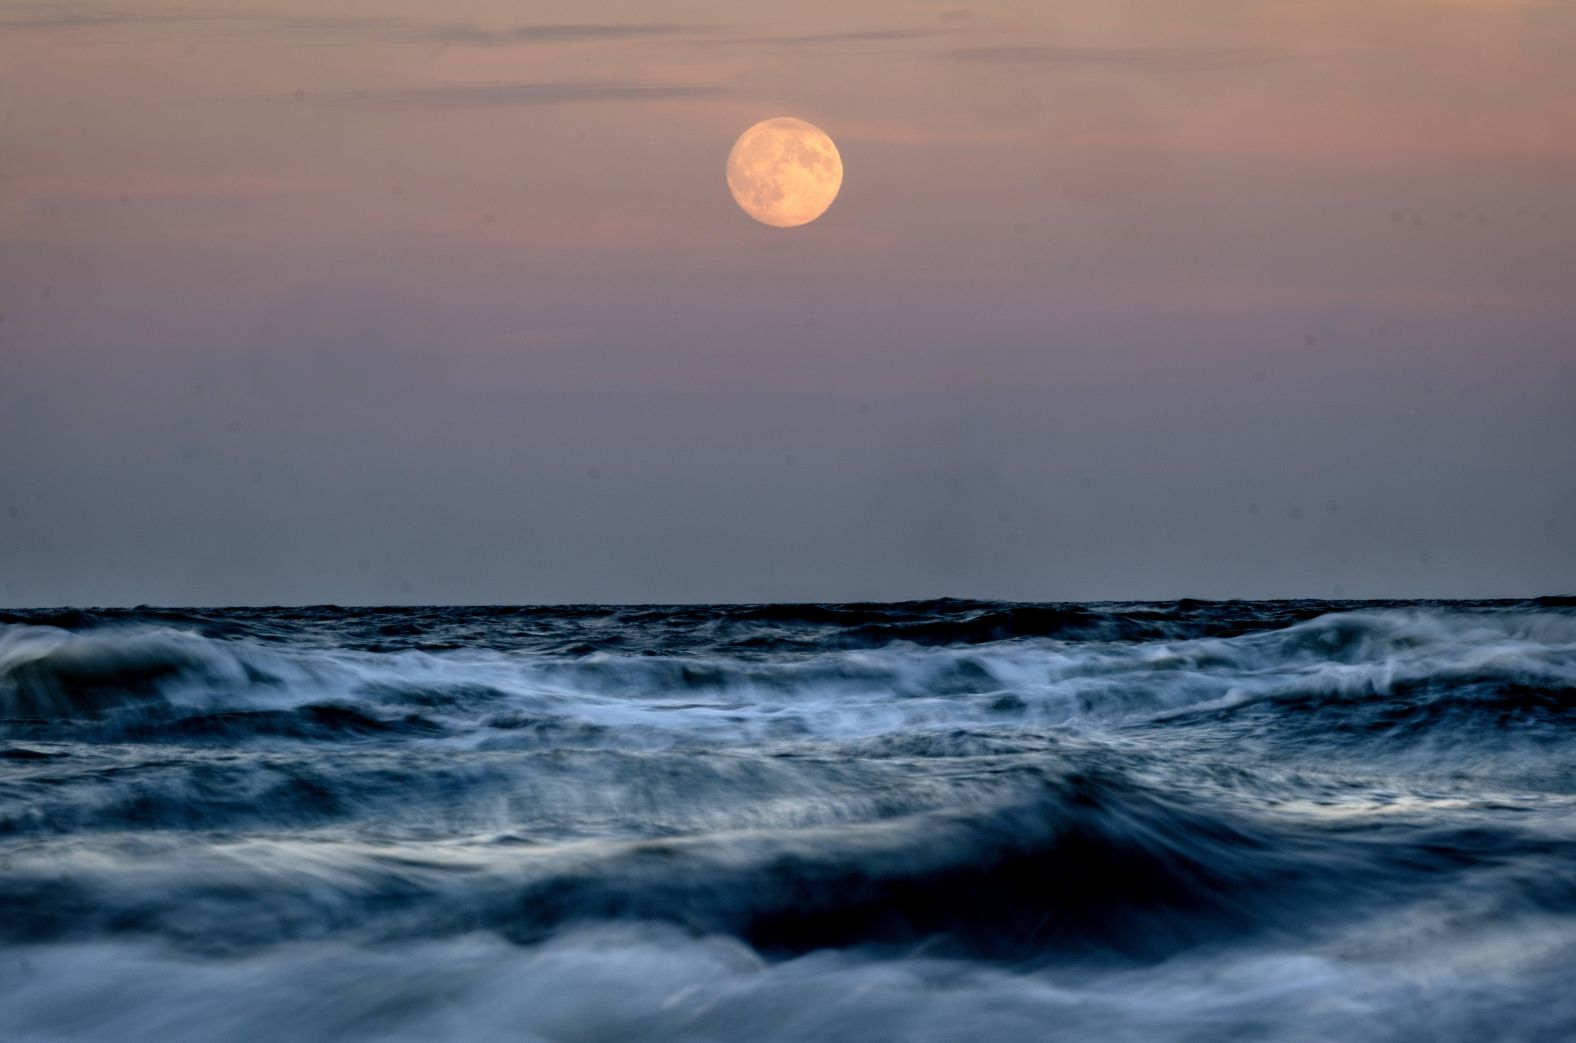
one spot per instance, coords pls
(1118, 299)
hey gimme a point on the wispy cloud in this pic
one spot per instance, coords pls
(505, 94)
(569, 33)
(470, 34)
(815, 39)
(65, 18)
(1159, 59)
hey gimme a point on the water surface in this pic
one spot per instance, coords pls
(926, 821)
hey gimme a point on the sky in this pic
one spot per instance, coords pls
(447, 302)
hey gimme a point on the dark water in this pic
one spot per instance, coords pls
(944, 820)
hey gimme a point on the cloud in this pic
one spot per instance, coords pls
(505, 94)
(468, 34)
(58, 17)
(1159, 59)
(406, 30)
(847, 36)
(570, 33)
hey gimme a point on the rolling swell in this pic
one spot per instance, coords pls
(1175, 820)
(1090, 865)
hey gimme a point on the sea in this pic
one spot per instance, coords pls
(935, 820)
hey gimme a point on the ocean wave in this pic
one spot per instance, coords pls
(1089, 871)
(650, 983)
(48, 672)
(1075, 863)
(1412, 666)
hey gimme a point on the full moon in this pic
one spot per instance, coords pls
(784, 172)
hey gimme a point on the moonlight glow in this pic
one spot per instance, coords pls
(784, 172)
